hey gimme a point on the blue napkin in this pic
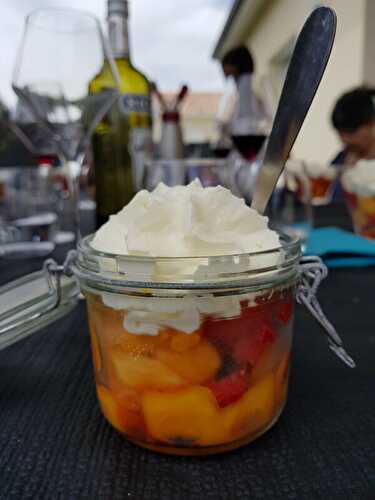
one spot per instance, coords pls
(339, 248)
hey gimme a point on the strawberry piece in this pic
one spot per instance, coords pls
(351, 199)
(285, 312)
(230, 388)
(249, 348)
(225, 333)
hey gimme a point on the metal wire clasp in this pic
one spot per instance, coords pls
(54, 273)
(312, 272)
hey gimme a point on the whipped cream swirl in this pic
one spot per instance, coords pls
(360, 179)
(185, 221)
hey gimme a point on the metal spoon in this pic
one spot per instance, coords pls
(305, 71)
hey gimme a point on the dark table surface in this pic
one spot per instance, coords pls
(54, 443)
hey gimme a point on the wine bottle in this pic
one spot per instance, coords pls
(123, 137)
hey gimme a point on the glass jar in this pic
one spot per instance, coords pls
(362, 212)
(193, 370)
(191, 355)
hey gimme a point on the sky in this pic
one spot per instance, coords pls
(171, 40)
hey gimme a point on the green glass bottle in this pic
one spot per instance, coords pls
(123, 137)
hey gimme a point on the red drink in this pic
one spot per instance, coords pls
(249, 145)
(221, 152)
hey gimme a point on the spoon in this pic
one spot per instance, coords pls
(305, 71)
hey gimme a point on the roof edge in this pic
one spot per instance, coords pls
(227, 26)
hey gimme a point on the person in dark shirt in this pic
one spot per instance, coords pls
(353, 118)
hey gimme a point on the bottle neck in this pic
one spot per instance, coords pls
(118, 34)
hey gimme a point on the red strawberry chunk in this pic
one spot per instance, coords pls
(225, 333)
(285, 312)
(351, 199)
(230, 388)
(249, 348)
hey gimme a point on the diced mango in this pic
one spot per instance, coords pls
(141, 372)
(140, 345)
(110, 407)
(270, 358)
(188, 416)
(253, 411)
(181, 342)
(359, 219)
(192, 415)
(195, 365)
(119, 416)
(281, 380)
(95, 349)
(129, 398)
(367, 204)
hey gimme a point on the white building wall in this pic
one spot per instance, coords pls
(369, 49)
(271, 41)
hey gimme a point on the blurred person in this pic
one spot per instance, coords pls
(249, 122)
(353, 118)
(239, 64)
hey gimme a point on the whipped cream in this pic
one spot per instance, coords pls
(183, 221)
(151, 314)
(360, 179)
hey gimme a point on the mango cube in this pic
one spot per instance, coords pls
(190, 415)
(140, 345)
(367, 204)
(142, 372)
(253, 411)
(95, 348)
(120, 417)
(195, 365)
(281, 380)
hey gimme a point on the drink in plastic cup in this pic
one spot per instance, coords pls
(321, 177)
(358, 184)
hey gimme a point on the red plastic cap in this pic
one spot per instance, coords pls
(171, 116)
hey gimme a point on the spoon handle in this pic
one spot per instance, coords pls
(305, 71)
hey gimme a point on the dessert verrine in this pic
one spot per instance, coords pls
(191, 329)
(358, 183)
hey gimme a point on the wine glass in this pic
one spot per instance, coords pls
(250, 123)
(61, 52)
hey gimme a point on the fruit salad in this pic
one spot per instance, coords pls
(190, 319)
(362, 211)
(359, 190)
(209, 390)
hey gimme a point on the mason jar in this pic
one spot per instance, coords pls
(191, 355)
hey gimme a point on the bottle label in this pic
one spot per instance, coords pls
(135, 103)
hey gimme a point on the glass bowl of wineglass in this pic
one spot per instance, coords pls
(61, 52)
